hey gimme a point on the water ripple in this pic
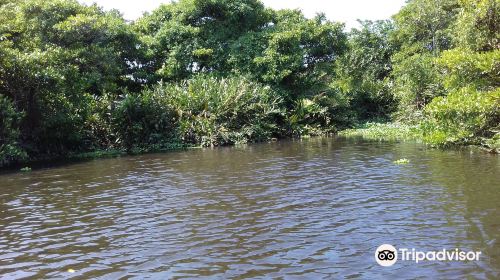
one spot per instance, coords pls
(315, 209)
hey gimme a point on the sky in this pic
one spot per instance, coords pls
(347, 11)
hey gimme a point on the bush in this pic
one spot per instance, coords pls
(219, 111)
(416, 83)
(384, 131)
(463, 117)
(59, 129)
(10, 151)
(323, 113)
(98, 129)
(467, 68)
(144, 121)
(309, 117)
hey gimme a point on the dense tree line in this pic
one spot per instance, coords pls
(75, 78)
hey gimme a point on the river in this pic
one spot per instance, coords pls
(310, 209)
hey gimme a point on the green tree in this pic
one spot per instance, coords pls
(57, 55)
(423, 29)
(478, 25)
(469, 113)
(363, 73)
(193, 36)
(10, 151)
(299, 52)
(424, 26)
(281, 48)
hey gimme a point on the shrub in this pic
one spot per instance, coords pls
(59, 129)
(467, 68)
(384, 131)
(144, 121)
(218, 111)
(462, 117)
(98, 130)
(10, 150)
(308, 117)
(323, 113)
(416, 83)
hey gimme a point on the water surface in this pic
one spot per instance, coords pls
(313, 209)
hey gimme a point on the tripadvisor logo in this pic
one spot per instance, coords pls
(387, 255)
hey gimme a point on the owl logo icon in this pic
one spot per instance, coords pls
(386, 255)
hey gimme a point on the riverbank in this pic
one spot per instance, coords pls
(29, 165)
(369, 131)
(404, 132)
(387, 132)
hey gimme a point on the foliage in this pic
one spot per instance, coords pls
(362, 74)
(144, 121)
(56, 56)
(416, 83)
(465, 68)
(423, 29)
(424, 26)
(478, 25)
(464, 116)
(445, 71)
(296, 50)
(384, 131)
(469, 113)
(218, 111)
(194, 36)
(279, 48)
(10, 150)
(328, 112)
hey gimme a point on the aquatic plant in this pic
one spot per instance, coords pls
(384, 131)
(402, 161)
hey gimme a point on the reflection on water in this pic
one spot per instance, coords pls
(305, 209)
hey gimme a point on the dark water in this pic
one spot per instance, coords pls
(288, 210)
